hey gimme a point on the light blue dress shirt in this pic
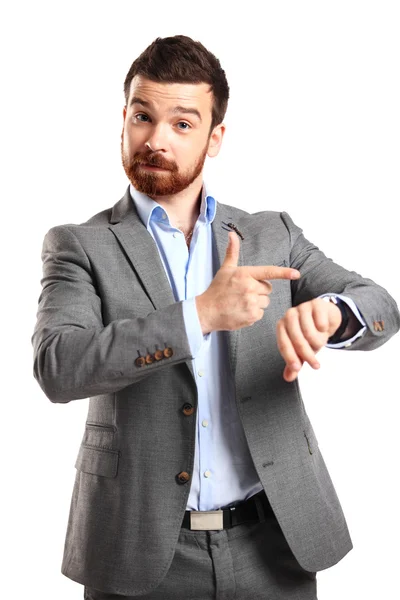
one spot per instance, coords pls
(223, 472)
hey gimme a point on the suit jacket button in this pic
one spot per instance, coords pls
(140, 361)
(158, 354)
(168, 352)
(149, 359)
(188, 409)
(183, 477)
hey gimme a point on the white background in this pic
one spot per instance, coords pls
(313, 128)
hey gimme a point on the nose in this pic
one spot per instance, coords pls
(157, 140)
(149, 146)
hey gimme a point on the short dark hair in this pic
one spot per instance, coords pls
(179, 59)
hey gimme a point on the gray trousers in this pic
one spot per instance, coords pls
(251, 561)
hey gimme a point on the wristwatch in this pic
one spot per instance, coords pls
(335, 338)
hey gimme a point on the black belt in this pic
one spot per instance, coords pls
(256, 508)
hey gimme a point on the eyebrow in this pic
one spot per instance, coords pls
(176, 109)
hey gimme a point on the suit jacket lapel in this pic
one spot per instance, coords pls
(142, 253)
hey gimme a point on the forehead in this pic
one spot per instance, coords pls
(167, 94)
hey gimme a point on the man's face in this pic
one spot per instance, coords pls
(166, 135)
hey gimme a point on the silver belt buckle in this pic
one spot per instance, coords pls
(207, 519)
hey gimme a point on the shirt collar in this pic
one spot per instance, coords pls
(149, 210)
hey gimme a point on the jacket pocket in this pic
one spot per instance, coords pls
(100, 426)
(100, 435)
(97, 461)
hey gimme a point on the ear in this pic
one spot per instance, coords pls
(215, 142)
(123, 117)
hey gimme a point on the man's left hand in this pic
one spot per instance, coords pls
(303, 331)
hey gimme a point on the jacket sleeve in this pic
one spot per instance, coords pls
(320, 275)
(75, 355)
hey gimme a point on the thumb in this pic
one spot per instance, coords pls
(232, 250)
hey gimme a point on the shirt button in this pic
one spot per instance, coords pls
(164, 216)
(200, 373)
(204, 422)
(207, 473)
(175, 234)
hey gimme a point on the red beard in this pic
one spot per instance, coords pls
(159, 183)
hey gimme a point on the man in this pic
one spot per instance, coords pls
(199, 474)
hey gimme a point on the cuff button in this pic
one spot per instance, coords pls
(140, 361)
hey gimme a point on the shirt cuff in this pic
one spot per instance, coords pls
(353, 307)
(193, 327)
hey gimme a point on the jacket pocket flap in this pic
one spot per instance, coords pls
(97, 461)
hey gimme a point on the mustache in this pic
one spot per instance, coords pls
(154, 160)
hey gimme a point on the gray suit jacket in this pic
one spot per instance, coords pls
(106, 300)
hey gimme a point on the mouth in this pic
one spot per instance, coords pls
(152, 168)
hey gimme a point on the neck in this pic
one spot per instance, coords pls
(183, 208)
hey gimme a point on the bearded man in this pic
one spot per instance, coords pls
(199, 474)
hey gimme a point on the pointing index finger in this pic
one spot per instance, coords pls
(272, 272)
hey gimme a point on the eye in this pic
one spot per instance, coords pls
(141, 115)
(184, 123)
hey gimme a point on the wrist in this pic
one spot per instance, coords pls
(341, 320)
